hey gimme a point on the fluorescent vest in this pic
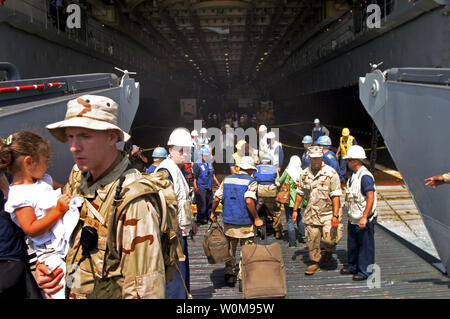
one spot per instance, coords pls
(237, 160)
(345, 146)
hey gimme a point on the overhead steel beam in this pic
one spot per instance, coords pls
(220, 4)
(200, 35)
(136, 16)
(274, 20)
(165, 16)
(299, 20)
(249, 22)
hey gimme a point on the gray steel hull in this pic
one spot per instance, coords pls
(413, 117)
(36, 115)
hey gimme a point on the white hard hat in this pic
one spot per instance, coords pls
(203, 130)
(355, 152)
(316, 121)
(194, 133)
(262, 128)
(271, 135)
(247, 163)
(180, 137)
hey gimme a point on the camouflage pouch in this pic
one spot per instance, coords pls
(105, 288)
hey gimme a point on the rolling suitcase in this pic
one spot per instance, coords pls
(263, 271)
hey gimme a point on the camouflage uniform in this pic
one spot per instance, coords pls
(235, 234)
(140, 268)
(447, 178)
(319, 189)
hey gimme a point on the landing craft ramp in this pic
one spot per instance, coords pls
(404, 274)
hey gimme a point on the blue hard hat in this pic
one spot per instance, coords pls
(159, 152)
(324, 140)
(205, 151)
(307, 139)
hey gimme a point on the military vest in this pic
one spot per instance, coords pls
(103, 213)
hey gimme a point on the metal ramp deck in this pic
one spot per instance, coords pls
(404, 274)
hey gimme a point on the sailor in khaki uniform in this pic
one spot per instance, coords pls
(320, 184)
(135, 267)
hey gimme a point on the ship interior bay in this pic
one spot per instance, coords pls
(283, 62)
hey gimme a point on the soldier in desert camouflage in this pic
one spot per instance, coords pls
(320, 184)
(136, 268)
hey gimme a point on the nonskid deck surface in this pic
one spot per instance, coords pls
(403, 273)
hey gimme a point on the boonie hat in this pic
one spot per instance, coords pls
(315, 152)
(89, 111)
(247, 163)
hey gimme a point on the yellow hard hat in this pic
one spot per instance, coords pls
(240, 144)
(345, 132)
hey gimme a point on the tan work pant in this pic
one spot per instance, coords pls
(230, 266)
(324, 235)
(274, 210)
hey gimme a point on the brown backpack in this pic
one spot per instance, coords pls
(215, 244)
(263, 271)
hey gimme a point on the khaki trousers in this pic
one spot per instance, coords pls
(230, 266)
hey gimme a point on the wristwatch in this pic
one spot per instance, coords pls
(336, 216)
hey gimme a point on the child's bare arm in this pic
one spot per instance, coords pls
(35, 227)
(57, 185)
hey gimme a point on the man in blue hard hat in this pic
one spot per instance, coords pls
(307, 143)
(329, 157)
(159, 154)
(203, 179)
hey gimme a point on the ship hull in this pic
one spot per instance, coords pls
(413, 117)
(34, 115)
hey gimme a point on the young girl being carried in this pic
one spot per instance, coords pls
(44, 215)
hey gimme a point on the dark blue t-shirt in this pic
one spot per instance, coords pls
(12, 242)
(367, 184)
